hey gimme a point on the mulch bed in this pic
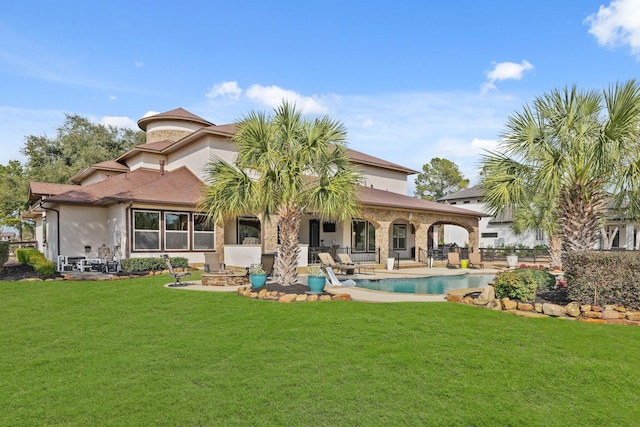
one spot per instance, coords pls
(20, 271)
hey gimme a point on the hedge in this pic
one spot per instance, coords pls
(36, 259)
(4, 254)
(604, 278)
(132, 265)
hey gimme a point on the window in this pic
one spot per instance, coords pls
(399, 236)
(146, 230)
(489, 235)
(539, 235)
(203, 233)
(248, 227)
(176, 229)
(363, 236)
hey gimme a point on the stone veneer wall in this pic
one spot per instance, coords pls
(161, 135)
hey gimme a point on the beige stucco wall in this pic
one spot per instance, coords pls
(197, 156)
(383, 179)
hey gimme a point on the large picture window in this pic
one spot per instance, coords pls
(399, 236)
(203, 233)
(176, 228)
(146, 230)
(248, 229)
(363, 236)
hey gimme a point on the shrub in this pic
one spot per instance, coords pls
(4, 253)
(152, 264)
(36, 259)
(518, 284)
(604, 278)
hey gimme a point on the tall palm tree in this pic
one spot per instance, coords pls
(286, 166)
(578, 151)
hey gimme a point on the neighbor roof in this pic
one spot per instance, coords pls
(467, 193)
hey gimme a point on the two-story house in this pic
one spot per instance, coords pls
(144, 203)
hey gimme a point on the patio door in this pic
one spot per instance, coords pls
(314, 233)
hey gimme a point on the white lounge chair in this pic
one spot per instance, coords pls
(334, 281)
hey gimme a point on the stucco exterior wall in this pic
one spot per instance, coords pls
(197, 156)
(383, 179)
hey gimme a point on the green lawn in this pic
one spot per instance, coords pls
(131, 352)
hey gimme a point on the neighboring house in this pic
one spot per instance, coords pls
(143, 204)
(494, 231)
(7, 236)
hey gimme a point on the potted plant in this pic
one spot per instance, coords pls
(257, 276)
(315, 280)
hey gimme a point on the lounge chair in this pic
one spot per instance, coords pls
(346, 259)
(212, 263)
(453, 260)
(176, 276)
(327, 261)
(334, 281)
(475, 260)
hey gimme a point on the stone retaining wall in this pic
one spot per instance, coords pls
(285, 297)
(611, 314)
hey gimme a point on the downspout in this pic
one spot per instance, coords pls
(127, 227)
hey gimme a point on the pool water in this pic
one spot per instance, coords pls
(427, 285)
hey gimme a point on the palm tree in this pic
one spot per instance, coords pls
(286, 166)
(578, 151)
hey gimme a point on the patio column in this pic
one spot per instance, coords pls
(382, 239)
(269, 234)
(474, 239)
(422, 238)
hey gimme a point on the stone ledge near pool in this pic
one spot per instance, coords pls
(225, 279)
(284, 297)
(608, 314)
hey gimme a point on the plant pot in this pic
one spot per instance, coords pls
(464, 263)
(512, 261)
(390, 263)
(316, 284)
(258, 280)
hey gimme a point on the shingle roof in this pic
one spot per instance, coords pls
(177, 187)
(38, 190)
(375, 197)
(359, 157)
(178, 113)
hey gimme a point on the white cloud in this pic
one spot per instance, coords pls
(112, 97)
(119, 121)
(228, 90)
(617, 24)
(274, 95)
(478, 145)
(505, 71)
(150, 113)
(138, 64)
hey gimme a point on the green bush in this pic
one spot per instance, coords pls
(603, 277)
(4, 253)
(24, 254)
(132, 265)
(36, 259)
(518, 284)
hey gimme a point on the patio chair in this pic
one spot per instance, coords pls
(475, 260)
(212, 263)
(175, 275)
(346, 259)
(453, 260)
(327, 261)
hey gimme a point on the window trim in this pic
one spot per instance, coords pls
(202, 232)
(134, 230)
(167, 232)
(395, 239)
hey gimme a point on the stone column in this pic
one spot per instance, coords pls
(422, 238)
(382, 239)
(269, 234)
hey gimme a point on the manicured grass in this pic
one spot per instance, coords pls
(134, 353)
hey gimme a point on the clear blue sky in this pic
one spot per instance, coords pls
(411, 80)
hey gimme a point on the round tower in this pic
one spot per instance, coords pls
(171, 125)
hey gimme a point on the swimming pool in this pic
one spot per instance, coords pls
(427, 285)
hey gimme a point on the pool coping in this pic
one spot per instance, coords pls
(368, 295)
